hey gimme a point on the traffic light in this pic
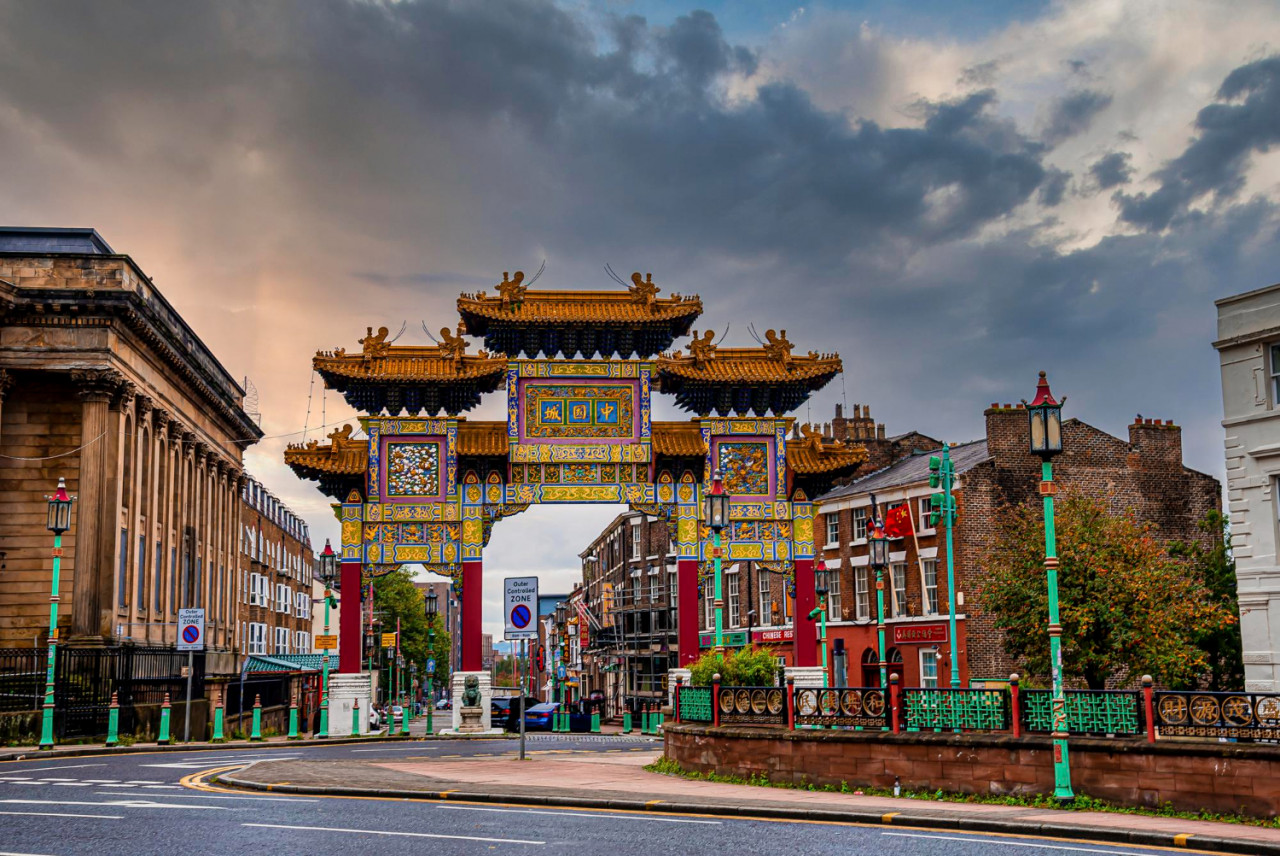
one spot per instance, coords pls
(540, 659)
(942, 505)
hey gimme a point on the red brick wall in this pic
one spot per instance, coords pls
(1190, 777)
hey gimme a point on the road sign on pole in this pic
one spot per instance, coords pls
(431, 665)
(190, 629)
(520, 607)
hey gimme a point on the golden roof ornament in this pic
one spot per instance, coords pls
(643, 290)
(375, 345)
(778, 347)
(511, 291)
(702, 348)
(453, 346)
(342, 433)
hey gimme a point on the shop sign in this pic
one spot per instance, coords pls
(919, 634)
(778, 634)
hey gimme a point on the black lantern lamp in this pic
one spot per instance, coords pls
(879, 546)
(431, 606)
(562, 609)
(60, 509)
(820, 577)
(1045, 413)
(327, 565)
(717, 510)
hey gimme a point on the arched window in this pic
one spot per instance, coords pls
(129, 442)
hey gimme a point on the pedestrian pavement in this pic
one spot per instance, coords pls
(616, 779)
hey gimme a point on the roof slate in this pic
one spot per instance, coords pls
(912, 470)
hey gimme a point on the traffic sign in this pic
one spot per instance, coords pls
(560, 671)
(431, 665)
(323, 642)
(190, 629)
(388, 640)
(520, 606)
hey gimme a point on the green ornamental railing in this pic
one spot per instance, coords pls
(695, 704)
(951, 709)
(1088, 711)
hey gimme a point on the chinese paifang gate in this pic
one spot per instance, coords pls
(425, 485)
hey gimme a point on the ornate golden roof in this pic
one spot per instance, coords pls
(812, 454)
(345, 456)
(678, 440)
(381, 361)
(771, 363)
(639, 304)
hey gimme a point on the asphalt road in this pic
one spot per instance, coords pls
(137, 804)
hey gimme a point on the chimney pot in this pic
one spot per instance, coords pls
(839, 411)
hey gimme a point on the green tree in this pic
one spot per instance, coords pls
(1128, 607)
(396, 597)
(1214, 565)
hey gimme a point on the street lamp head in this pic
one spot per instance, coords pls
(431, 606)
(327, 563)
(1045, 415)
(717, 504)
(60, 509)
(562, 610)
(879, 545)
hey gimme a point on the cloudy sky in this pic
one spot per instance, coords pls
(950, 194)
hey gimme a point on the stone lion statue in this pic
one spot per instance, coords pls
(471, 692)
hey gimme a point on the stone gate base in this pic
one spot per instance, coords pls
(458, 688)
(346, 689)
(1219, 777)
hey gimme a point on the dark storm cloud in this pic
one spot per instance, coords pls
(1111, 169)
(1072, 114)
(1244, 120)
(1054, 187)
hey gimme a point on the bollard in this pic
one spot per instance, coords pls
(1148, 698)
(404, 721)
(293, 720)
(675, 704)
(163, 739)
(895, 704)
(1015, 704)
(257, 718)
(355, 718)
(715, 700)
(626, 720)
(218, 725)
(791, 702)
(595, 721)
(657, 720)
(113, 722)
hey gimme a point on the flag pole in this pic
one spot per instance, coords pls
(915, 541)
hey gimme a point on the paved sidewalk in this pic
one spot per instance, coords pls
(616, 779)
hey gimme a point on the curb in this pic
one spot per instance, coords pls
(1073, 831)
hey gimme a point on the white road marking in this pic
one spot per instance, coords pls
(989, 841)
(56, 814)
(7, 853)
(74, 784)
(56, 779)
(64, 767)
(120, 804)
(120, 786)
(144, 782)
(581, 814)
(386, 832)
(14, 779)
(153, 787)
(96, 782)
(212, 797)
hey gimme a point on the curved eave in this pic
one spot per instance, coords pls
(817, 470)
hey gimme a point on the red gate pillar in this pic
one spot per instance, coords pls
(687, 612)
(472, 610)
(806, 644)
(350, 633)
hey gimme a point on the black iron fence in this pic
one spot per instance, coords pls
(847, 707)
(1235, 716)
(85, 679)
(22, 674)
(753, 705)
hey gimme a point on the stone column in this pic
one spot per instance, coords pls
(687, 610)
(472, 605)
(96, 388)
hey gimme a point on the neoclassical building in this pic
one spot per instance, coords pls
(104, 384)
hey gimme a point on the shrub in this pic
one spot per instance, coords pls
(746, 667)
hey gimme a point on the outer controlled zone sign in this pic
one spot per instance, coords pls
(520, 607)
(191, 630)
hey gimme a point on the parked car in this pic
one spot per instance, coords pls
(538, 718)
(375, 720)
(444, 704)
(505, 711)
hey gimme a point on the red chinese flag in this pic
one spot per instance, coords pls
(897, 522)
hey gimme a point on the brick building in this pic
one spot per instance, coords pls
(1144, 473)
(630, 598)
(104, 384)
(276, 576)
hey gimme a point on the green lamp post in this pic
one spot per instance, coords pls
(431, 661)
(717, 518)
(327, 564)
(942, 473)
(1045, 414)
(878, 545)
(59, 521)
